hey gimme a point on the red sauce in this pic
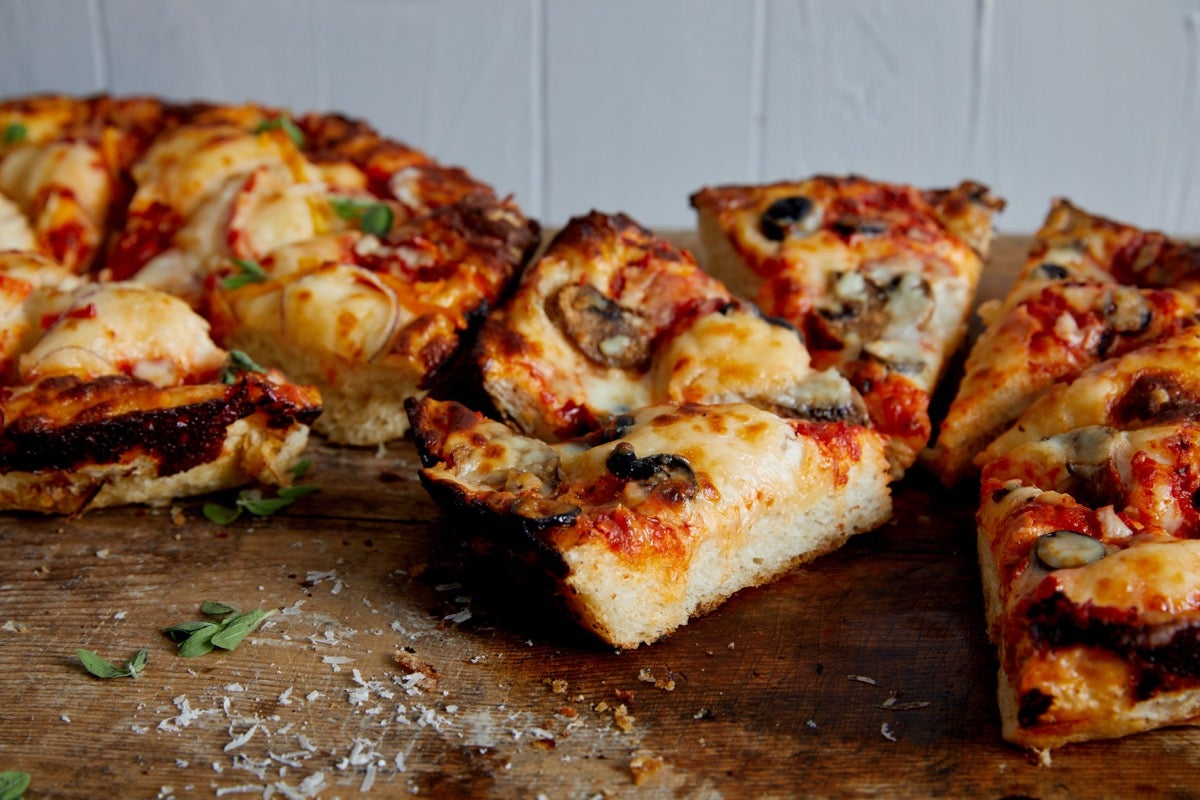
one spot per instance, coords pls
(147, 233)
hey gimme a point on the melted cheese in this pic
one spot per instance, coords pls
(15, 233)
(1153, 578)
(186, 166)
(726, 357)
(74, 167)
(124, 329)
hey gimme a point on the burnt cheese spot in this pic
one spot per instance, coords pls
(1033, 704)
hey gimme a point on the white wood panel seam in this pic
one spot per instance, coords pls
(539, 152)
(101, 58)
(980, 75)
(758, 91)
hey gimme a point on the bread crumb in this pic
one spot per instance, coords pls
(1043, 756)
(558, 686)
(666, 684)
(862, 679)
(645, 767)
(886, 730)
(623, 718)
(178, 517)
(416, 666)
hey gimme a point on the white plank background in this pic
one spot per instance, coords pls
(631, 105)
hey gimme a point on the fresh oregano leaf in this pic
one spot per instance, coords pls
(215, 609)
(219, 514)
(15, 132)
(103, 668)
(264, 506)
(250, 272)
(238, 627)
(237, 362)
(200, 642)
(377, 220)
(298, 490)
(285, 124)
(373, 217)
(184, 630)
(301, 468)
(13, 784)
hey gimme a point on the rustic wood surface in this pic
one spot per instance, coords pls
(866, 673)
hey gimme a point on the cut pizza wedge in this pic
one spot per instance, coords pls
(373, 320)
(1091, 289)
(1155, 384)
(880, 278)
(664, 514)
(613, 318)
(120, 397)
(1093, 600)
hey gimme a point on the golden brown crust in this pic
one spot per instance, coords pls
(641, 526)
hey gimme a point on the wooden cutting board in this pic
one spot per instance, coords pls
(399, 665)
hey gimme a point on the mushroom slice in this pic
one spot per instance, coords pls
(605, 331)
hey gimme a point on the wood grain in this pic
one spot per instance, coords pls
(866, 673)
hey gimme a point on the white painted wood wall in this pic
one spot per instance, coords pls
(632, 104)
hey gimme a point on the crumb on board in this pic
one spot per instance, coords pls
(644, 767)
(415, 666)
(666, 683)
(1043, 756)
(557, 685)
(862, 679)
(623, 718)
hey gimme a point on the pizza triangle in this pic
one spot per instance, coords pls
(1091, 567)
(115, 394)
(1091, 289)
(661, 515)
(612, 318)
(880, 278)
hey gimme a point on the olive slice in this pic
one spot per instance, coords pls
(787, 216)
(1051, 271)
(624, 463)
(1066, 549)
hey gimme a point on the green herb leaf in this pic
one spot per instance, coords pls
(201, 637)
(372, 216)
(103, 668)
(238, 627)
(13, 784)
(238, 362)
(184, 630)
(15, 132)
(215, 609)
(296, 491)
(301, 468)
(285, 124)
(251, 272)
(263, 506)
(200, 642)
(377, 220)
(219, 514)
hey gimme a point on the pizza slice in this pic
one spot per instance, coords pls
(880, 278)
(1091, 568)
(1153, 385)
(372, 320)
(612, 318)
(117, 395)
(63, 163)
(663, 514)
(1091, 289)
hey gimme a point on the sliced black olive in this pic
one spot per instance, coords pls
(1051, 272)
(624, 463)
(537, 513)
(1127, 311)
(1066, 549)
(849, 224)
(603, 330)
(786, 216)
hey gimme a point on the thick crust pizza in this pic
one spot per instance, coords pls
(1091, 567)
(880, 278)
(613, 318)
(1079, 406)
(662, 514)
(349, 260)
(114, 393)
(1092, 289)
